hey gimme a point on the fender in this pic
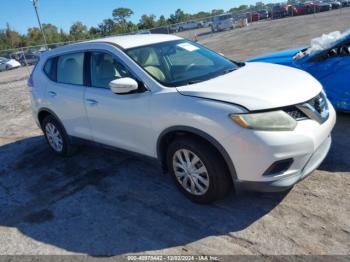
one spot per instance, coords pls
(57, 118)
(206, 137)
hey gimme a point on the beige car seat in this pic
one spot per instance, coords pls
(148, 61)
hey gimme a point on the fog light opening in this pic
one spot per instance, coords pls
(278, 167)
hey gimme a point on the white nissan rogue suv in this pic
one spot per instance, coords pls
(212, 123)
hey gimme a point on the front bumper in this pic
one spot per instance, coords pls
(285, 183)
(253, 152)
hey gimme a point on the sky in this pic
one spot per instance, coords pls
(63, 13)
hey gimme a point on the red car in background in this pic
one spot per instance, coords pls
(252, 16)
(278, 11)
(300, 9)
(292, 10)
(307, 8)
(311, 7)
(255, 16)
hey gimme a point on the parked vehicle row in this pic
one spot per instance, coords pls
(18, 59)
(227, 20)
(8, 64)
(311, 7)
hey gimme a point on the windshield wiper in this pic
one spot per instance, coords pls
(226, 71)
(194, 82)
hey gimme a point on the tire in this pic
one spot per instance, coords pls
(211, 168)
(58, 143)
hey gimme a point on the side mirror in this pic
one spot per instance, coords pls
(123, 85)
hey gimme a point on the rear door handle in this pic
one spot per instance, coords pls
(52, 93)
(91, 102)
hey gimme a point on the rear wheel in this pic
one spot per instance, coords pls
(198, 170)
(56, 136)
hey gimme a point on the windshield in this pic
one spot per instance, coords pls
(180, 62)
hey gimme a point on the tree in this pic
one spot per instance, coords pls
(78, 31)
(200, 15)
(162, 21)
(108, 27)
(51, 32)
(64, 37)
(178, 17)
(121, 14)
(94, 32)
(12, 38)
(34, 36)
(259, 5)
(147, 22)
(217, 12)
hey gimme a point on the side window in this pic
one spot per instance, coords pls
(48, 69)
(104, 68)
(70, 69)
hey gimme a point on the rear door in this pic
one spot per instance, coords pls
(66, 90)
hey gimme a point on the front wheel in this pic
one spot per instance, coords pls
(198, 170)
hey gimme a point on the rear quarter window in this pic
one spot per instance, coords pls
(49, 69)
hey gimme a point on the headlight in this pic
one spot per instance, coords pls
(267, 121)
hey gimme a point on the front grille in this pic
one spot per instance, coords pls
(314, 102)
(295, 113)
(316, 108)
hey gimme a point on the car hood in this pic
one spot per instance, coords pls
(281, 57)
(258, 86)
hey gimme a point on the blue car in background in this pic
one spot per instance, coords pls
(329, 64)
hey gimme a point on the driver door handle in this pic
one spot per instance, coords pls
(52, 93)
(91, 102)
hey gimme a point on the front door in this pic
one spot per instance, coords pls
(119, 120)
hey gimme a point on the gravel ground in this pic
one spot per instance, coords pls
(105, 203)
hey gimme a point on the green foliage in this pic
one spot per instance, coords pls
(147, 22)
(178, 17)
(78, 31)
(121, 14)
(217, 12)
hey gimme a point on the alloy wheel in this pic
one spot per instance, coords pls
(54, 137)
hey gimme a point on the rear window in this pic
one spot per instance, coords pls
(70, 69)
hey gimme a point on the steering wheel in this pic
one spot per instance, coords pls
(189, 66)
